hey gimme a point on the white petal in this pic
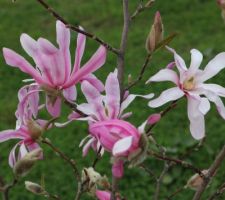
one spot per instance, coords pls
(196, 59)
(204, 105)
(122, 145)
(166, 96)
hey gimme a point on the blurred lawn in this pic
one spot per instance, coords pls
(199, 25)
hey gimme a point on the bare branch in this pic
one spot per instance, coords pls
(218, 192)
(76, 28)
(212, 171)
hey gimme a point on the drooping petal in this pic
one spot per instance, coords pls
(70, 93)
(219, 90)
(196, 60)
(54, 108)
(96, 61)
(204, 105)
(12, 156)
(213, 67)
(118, 169)
(87, 146)
(122, 146)
(197, 122)
(112, 100)
(166, 96)
(15, 60)
(165, 75)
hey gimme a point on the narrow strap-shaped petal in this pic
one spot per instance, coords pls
(118, 169)
(95, 99)
(96, 61)
(219, 90)
(12, 156)
(93, 80)
(81, 41)
(15, 60)
(63, 39)
(197, 121)
(54, 108)
(165, 75)
(166, 96)
(112, 99)
(10, 134)
(70, 93)
(196, 60)
(29, 44)
(213, 67)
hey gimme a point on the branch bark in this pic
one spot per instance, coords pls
(212, 171)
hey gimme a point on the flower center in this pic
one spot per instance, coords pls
(189, 84)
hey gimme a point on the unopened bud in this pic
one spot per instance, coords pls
(25, 164)
(156, 34)
(154, 118)
(35, 129)
(196, 181)
(35, 188)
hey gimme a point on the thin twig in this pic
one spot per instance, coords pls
(140, 76)
(211, 172)
(175, 193)
(7, 188)
(114, 187)
(71, 162)
(218, 192)
(76, 28)
(123, 44)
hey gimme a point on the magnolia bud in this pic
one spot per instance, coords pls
(25, 164)
(196, 181)
(156, 34)
(154, 118)
(35, 188)
(35, 129)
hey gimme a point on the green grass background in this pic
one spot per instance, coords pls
(199, 25)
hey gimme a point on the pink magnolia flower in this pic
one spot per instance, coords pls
(191, 83)
(104, 195)
(52, 69)
(27, 130)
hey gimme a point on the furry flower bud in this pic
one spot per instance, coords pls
(196, 181)
(156, 34)
(34, 188)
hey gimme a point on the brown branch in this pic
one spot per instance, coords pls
(123, 44)
(76, 28)
(140, 76)
(140, 8)
(163, 113)
(177, 161)
(218, 192)
(175, 193)
(114, 187)
(71, 162)
(212, 171)
(6, 189)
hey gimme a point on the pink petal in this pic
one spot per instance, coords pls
(54, 108)
(112, 90)
(213, 67)
(29, 44)
(103, 195)
(93, 80)
(96, 61)
(12, 156)
(15, 60)
(165, 75)
(122, 146)
(81, 41)
(94, 98)
(166, 96)
(154, 118)
(118, 169)
(70, 93)
(63, 39)
(87, 146)
(11, 134)
(197, 122)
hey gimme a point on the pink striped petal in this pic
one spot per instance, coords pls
(11, 134)
(29, 44)
(12, 156)
(96, 61)
(118, 169)
(93, 80)
(15, 60)
(112, 90)
(70, 93)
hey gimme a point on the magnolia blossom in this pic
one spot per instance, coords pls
(191, 83)
(27, 130)
(104, 195)
(52, 69)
